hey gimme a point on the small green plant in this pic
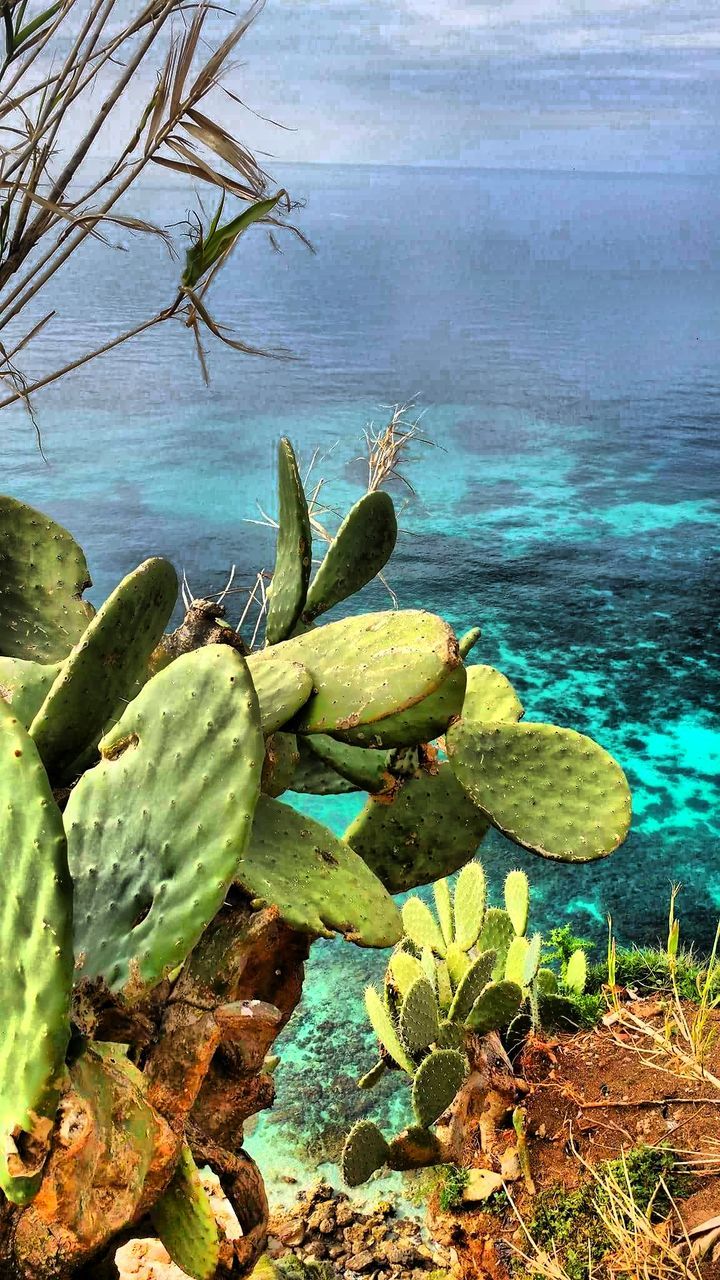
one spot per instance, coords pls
(452, 1187)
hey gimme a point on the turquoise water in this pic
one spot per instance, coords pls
(563, 334)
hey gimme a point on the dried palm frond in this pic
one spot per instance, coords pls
(78, 60)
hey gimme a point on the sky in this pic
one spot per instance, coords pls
(609, 85)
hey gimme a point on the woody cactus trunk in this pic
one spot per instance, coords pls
(160, 898)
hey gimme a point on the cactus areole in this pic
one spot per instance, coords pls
(161, 895)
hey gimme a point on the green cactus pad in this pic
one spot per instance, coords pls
(558, 1012)
(359, 551)
(517, 900)
(317, 883)
(35, 959)
(551, 790)
(443, 906)
(282, 689)
(366, 769)
(365, 1152)
(104, 666)
(385, 1030)
(490, 698)
(287, 591)
(373, 1076)
(436, 1083)
(418, 1022)
(414, 1148)
(156, 830)
(451, 1035)
(469, 640)
(25, 686)
(517, 960)
(576, 972)
(444, 986)
(496, 935)
(471, 985)
(458, 962)
(532, 959)
(419, 723)
(43, 574)
(546, 981)
(367, 668)
(280, 763)
(470, 898)
(185, 1223)
(312, 777)
(495, 1007)
(404, 970)
(421, 926)
(429, 963)
(423, 829)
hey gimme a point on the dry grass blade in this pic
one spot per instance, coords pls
(220, 141)
(387, 446)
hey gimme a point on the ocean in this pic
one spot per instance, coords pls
(560, 333)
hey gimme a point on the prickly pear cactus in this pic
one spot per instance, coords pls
(490, 698)
(286, 595)
(552, 790)
(106, 664)
(157, 829)
(282, 688)
(43, 574)
(422, 828)
(25, 685)
(364, 1153)
(359, 551)
(35, 960)
(184, 1221)
(368, 667)
(436, 1083)
(317, 883)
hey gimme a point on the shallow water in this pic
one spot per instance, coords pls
(563, 334)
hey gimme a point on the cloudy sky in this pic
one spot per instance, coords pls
(585, 84)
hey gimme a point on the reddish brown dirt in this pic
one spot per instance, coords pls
(601, 1091)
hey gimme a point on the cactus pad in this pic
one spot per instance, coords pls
(418, 1023)
(443, 906)
(422, 722)
(496, 935)
(470, 898)
(184, 1220)
(280, 763)
(436, 1083)
(458, 962)
(25, 686)
(312, 777)
(425, 828)
(385, 1030)
(552, 790)
(282, 689)
(471, 985)
(404, 970)
(495, 1007)
(104, 666)
(517, 900)
(43, 574)
(469, 640)
(365, 1152)
(359, 551)
(35, 959)
(287, 591)
(373, 1076)
(366, 769)
(156, 830)
(421, 926)
(490, 697)
(317, 883)
(368, 667)
(532, 959)
(576, 972)
(517, 960)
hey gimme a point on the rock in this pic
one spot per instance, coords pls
(361, 1261)
(291, 1233)
(344, 1213)
(481, 1184)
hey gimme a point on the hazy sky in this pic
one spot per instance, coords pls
(588, 84)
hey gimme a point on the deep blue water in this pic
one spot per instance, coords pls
(562, 333)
